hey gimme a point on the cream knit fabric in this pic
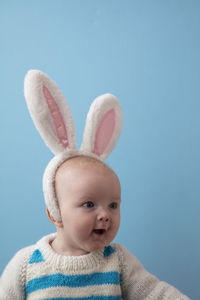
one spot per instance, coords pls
(37, 272)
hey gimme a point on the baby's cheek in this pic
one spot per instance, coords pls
(116, 224)
(84, 225)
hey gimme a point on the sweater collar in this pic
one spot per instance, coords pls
(82, 262)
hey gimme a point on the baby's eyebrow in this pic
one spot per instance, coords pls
(85, 198)
(116, 198)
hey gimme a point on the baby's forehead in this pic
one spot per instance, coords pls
(83, 162)
(74, 174)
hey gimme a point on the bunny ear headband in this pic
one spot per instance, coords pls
(53, 119)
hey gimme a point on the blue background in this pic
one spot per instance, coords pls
(147, 53)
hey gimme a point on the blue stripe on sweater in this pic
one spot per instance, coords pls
(89, 298)
(72, 281)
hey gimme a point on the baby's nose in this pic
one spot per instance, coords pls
(103, 216)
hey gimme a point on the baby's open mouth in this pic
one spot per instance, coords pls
(99, 231)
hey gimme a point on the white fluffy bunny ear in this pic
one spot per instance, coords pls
(49, 111)
(103, 126)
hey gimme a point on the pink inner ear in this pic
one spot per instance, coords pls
(105, 132)
(57, 117)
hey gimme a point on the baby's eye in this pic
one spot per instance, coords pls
(88, 204)
(113, 205)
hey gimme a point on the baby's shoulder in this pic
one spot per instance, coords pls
(126, 258)
(24, 253)
(121, 250)
(20, 259)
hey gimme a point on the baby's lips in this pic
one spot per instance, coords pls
(99, 230)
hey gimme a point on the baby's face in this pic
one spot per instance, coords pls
(89, 198)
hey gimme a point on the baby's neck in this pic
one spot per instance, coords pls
(60, 247)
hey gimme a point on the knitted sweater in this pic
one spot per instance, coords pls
(37, 272)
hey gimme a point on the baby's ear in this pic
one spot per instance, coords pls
(103, 126)
(56, 223)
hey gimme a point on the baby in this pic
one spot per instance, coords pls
(83, 197)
